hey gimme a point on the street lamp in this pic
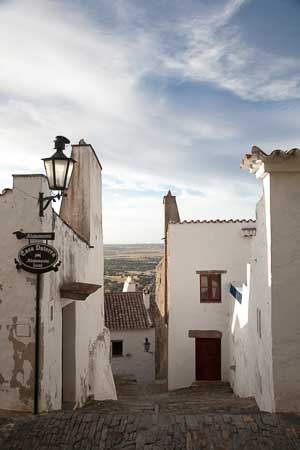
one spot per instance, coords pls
(59, 169)
(147, 345)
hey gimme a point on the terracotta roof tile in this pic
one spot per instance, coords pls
(257, 156)
(216, 221)
(260, 154)
(125, 311)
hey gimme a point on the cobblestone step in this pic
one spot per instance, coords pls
(78, 430)
(200, 398)
(149, 418)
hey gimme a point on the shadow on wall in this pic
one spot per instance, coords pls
(161, 341)
(241, 305)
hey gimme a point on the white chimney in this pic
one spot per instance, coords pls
(129, 285)
(146, 298)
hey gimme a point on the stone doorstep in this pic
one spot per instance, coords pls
(211, 384)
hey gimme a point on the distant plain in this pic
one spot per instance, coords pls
(137, 260)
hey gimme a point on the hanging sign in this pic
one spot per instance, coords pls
(40, 236)
(38, 258)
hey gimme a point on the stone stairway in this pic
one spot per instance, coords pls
(201, 398)
(202, 417)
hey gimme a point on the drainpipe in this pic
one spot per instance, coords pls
(37, 345)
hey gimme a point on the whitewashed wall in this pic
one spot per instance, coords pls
(17, 296)
(250, 353)
(194, 247)
(285, 267)
(93, 374)
(135, 361)
(82, 261)
(272, 362)
(92, 340)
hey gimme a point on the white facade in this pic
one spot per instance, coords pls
(251, 351)
(83, 369)
(135, 361)
(195, 247)
(130, 285)
(259, 322)
(275, 288)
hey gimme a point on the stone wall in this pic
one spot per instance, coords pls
(161, 331)
(171, 214)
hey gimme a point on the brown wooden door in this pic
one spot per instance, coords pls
(208, 359)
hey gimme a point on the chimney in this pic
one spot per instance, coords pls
(171, 210)
(171, 215)
(129, 285)
(146, 298)
(81, 209)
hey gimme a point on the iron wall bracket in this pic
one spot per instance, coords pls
(44, 202)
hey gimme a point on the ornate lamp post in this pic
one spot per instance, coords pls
(59, 170)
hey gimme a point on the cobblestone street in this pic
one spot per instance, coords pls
(206, 417)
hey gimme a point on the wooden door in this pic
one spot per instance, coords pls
(208, 359)
(68, 353)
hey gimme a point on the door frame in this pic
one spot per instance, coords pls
(68, 353)
(206, 334)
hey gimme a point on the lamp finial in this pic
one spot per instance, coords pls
(60, 142)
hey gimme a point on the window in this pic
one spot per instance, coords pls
(258, 321)
(117, 348)
(210, 287)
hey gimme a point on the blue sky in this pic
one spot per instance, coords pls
(171, 94)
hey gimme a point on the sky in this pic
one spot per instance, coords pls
(171, 94)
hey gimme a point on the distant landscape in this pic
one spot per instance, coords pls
(137, 260)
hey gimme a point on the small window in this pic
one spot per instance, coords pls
(117, 348)
(210, 287)
(258, 321)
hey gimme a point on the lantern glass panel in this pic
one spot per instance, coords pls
(49, 171)
(69, 174)
(60, 169)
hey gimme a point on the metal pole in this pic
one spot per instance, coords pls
(41, 204)
(37, 344)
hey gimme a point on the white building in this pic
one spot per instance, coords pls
(130, 285)
(74, 343)
(203, 258)
(232, 292)
(132, 335)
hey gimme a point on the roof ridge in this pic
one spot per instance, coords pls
(257, 156)
(276, 152)
(122, 293)
(215, 221)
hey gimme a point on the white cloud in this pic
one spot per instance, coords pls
(64, 72)
(214, 52)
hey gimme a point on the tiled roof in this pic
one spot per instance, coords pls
(257, 156)
(260, 154)
(125, 311)
(216, 221)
